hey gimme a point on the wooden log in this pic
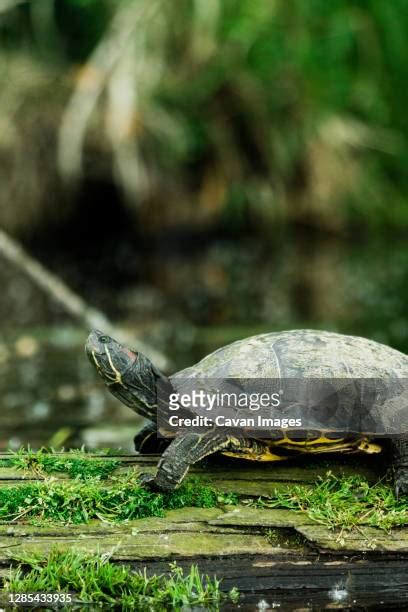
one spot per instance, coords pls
(312, 582)
(280, 556)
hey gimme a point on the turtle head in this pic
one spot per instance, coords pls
(129, 375)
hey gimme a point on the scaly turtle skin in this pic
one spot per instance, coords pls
(133, 379)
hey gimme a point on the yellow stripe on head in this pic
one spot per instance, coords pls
(118, 377)
(98, 367)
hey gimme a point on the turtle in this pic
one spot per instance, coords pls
(304, 354)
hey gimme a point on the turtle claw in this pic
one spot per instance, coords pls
(155, 483)
(148, 481)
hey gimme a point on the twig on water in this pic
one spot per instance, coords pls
(55, 288)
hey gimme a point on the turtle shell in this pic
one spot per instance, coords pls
(301, 353)
(313, 354)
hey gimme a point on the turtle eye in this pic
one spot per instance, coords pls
(104, 339)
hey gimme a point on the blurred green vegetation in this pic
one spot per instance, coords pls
(279, 125)
(293, 111)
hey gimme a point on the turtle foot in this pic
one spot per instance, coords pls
(147, 481)
(155, 484)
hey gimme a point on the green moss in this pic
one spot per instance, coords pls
(75, 464)
(87, 497)
(81, 501)
(96, 580)
(342, 502)
(97, 492)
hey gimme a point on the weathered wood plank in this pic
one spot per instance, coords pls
(243, 477)
(309, 582)
(242, 516)
(204, 531)
(363, 539)
(143, 546)
(182, 533)
(280, 556)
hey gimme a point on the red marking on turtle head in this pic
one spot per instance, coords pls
(133, 356)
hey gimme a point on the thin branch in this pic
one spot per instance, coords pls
(54, 287)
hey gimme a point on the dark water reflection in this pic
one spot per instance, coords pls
(189, 304)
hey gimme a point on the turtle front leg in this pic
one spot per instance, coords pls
(143, 436)
(186, 450)
(400, 466)
(147, 442)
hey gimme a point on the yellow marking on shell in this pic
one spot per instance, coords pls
(341, 447)
(118, 377)
(265, 456)
(312, 442)
(328, 445)
(319, 445)
(369, 447)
